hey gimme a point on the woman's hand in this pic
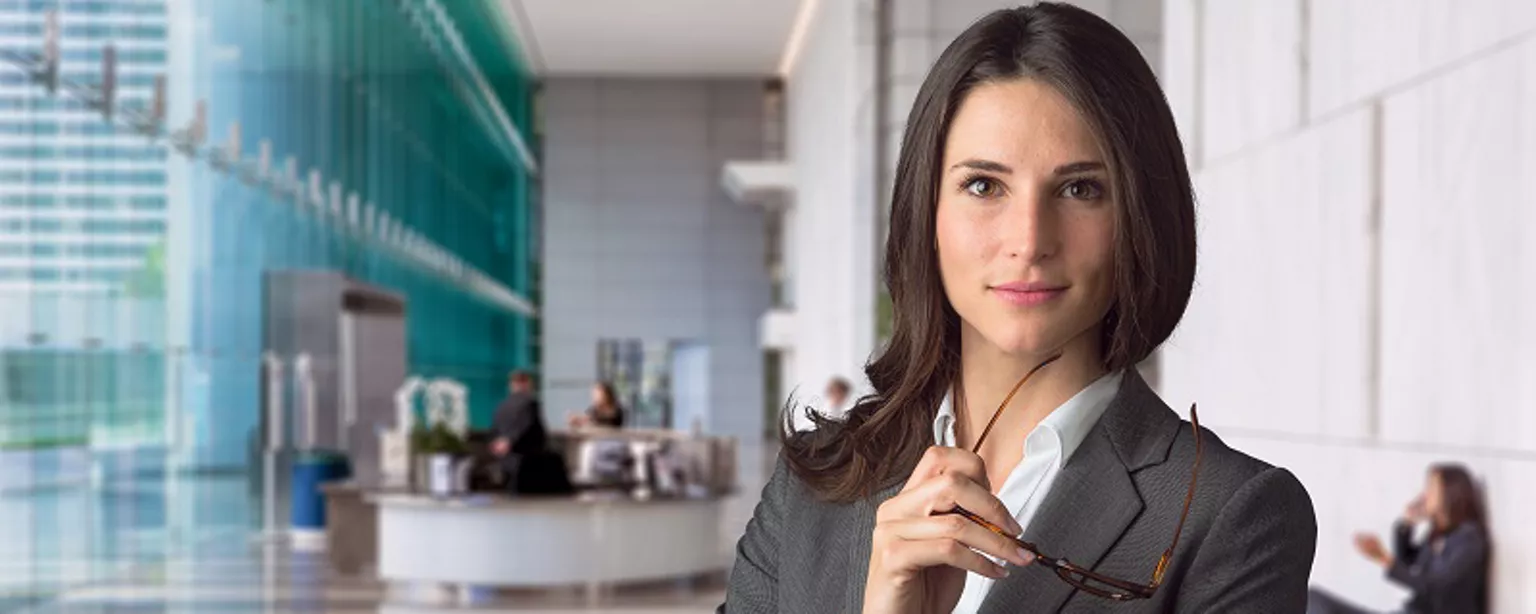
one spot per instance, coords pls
(1370, 546)
(920, 553)
(1415, 510)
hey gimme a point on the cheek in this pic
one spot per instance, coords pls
(1093, 251)
(961, 244)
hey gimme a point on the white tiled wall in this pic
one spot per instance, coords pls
(1359, 48)
(1366, 301)
(1252, 73)
(1276, 333)
(1459, 274)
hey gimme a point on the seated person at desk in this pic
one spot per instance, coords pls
(605, 410)
(522, 444)
(1445, 573)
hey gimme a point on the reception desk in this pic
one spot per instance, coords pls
(591, 540)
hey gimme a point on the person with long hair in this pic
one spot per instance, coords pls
(1011, 458)
(605, 410)
(1447, 571)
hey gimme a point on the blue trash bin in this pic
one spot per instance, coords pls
(311, 470)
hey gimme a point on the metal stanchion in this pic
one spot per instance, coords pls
(270, 531)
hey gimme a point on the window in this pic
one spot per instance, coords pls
(91, 177)
(126, 56)
(112, 31)
(21, 29)
(147, 153)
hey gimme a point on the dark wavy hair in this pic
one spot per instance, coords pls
(609, 396)
(1465, 505)
(1097, 69)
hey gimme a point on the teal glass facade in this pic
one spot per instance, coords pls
(362, 95)
(131, 274)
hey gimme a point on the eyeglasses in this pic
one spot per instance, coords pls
(1095, 584)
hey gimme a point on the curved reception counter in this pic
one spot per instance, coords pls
(494, 540)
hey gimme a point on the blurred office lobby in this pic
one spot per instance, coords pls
(243, 240)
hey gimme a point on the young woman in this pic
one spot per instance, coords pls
(605, 409)
(1042, 243)
(1447, 572)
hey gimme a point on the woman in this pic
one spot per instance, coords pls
(605, 409)
(1042, 221)
(1446, 573)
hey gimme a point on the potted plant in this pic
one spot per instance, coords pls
(433, 452)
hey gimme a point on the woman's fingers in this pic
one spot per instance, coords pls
(942, 494)
(903, 554)
(940, 460)
(958, 529)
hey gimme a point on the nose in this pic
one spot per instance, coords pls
(1030, 227)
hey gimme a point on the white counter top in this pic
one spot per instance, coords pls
(528, 541)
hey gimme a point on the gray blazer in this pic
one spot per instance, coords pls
(1451, 578)
(1247, 546)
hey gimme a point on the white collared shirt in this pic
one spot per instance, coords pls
(1046, 449)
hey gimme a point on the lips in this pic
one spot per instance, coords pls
(1028, 294)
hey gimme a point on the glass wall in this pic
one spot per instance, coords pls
(387, 141)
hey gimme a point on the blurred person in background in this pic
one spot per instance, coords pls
(1041, 245)
(605, 410)
(837, 395)
(518, 426)
(1447, 572)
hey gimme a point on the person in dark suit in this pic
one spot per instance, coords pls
(1011, 457)
(521, 441)
(1447, 572)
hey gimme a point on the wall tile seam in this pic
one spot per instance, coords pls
(1385, 445)
(1383, 94)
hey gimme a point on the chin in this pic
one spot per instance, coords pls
(1027, 341)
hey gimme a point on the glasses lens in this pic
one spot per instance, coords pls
(1098, 587)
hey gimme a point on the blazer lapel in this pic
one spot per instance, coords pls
(1093, 500)
(1090, 505)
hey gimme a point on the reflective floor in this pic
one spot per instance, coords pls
(283, 581)
(99, 541)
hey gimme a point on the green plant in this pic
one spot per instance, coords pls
(437, 439)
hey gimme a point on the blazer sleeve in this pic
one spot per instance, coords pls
(1404, 551)
(754, 584)
(1461, 562)
(1257, 556)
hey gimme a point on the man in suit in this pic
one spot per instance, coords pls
(522, 444)
(519, 426)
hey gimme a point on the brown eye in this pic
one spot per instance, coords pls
(981, 187)
(1083, 189)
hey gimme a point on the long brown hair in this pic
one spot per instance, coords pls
(1462, 498)
(1102, 74)
(609, 396)
(1465, 506)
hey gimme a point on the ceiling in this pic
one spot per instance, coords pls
(652, 37)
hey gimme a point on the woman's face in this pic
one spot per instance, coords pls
(598, 398)
(1026, 221)
(1434, 498)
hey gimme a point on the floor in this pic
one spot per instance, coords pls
(192, 545)
(278, 580)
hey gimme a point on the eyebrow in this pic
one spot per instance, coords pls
(998, 167)
(1080, 167)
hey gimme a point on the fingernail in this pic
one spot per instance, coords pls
(1026, 556)
(1002, 571)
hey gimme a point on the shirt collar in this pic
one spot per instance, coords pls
(1070, 422)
